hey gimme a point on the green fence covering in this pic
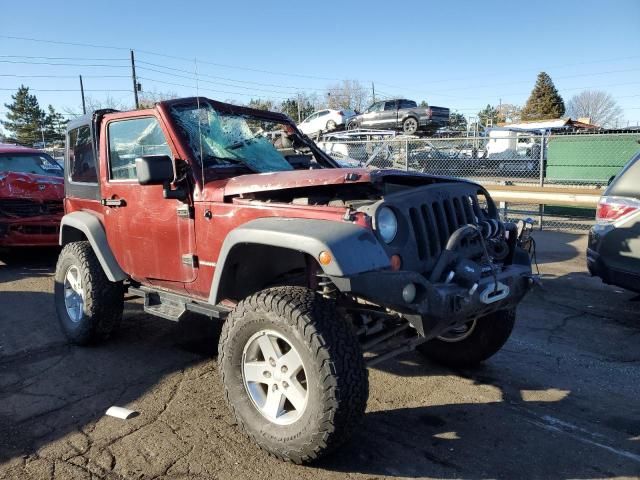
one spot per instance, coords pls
(589, 158)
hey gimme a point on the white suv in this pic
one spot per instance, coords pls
(325, 121)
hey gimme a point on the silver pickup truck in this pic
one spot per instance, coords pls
(401, 114)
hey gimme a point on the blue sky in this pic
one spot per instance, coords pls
(462, 55)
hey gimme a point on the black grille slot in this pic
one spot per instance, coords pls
(442, 227)
(420, 233)
(434, 241)
(434, 222)
(13, 207)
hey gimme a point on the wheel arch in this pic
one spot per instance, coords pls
(407, 115)
(266, 247)
(81, 226)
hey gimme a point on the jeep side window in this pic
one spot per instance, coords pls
(82, 162)
(130, 139)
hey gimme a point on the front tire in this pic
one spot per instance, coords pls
(88, 305)
(467, 347)
(293, 373)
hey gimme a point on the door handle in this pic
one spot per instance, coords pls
(113, 202)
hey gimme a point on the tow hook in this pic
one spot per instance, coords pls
(494, 293)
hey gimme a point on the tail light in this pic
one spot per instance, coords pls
(341, 113)
(612, 209)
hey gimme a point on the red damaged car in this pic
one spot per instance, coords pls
(31, 197)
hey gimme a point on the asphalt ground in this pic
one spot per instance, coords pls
(560, 401)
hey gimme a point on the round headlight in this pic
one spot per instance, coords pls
(387, 224)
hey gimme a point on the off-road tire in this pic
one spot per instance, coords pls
(337, 380)
(488, 336)
(103, 299)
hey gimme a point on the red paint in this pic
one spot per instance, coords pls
(147, 236)
(43, 192)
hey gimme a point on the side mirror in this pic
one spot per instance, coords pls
(154, 169)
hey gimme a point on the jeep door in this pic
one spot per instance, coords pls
(151, 237)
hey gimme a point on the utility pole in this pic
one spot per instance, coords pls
(373, 92)
(84, 105)
(135, 80)
(298, 103)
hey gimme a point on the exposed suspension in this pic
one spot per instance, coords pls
(326, 288)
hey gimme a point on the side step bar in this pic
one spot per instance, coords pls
(172, 306)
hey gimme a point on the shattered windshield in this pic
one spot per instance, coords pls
(221, 139)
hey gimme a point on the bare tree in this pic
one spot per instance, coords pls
(598, 106)
(349, 94)
(94, 104)
(149, 98)
(509, 113)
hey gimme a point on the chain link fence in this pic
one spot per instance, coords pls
(503, 157)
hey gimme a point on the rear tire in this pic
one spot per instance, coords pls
(482, 340)
(410, 126)
(319, 401)
(331, 125)
(89, 306)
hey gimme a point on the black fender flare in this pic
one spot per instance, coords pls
(310, 237)
(91, 228)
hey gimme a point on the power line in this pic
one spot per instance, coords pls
(149, 52)
(64, 64)
(193, 87)
(218, 77)
(474, 87)
(61, 76)
(65, 90)
(64, 58)
(498, 74)
(218, 83)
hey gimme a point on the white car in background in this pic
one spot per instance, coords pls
(325, 121)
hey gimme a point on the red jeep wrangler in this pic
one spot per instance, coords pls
(31, 193)
(317, 271)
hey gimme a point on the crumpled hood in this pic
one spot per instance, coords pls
(29, 185)
(261, 182)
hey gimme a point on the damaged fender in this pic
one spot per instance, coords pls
(310, 237)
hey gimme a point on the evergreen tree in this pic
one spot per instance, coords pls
(544, 102)
(55, 125)
(488, 115)
(25, 120)
(457, 121)
(290, 108)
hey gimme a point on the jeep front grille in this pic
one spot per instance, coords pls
(433, 222)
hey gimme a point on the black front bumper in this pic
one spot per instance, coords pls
(438, 307)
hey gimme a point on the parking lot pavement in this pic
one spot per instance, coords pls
(561, 400)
